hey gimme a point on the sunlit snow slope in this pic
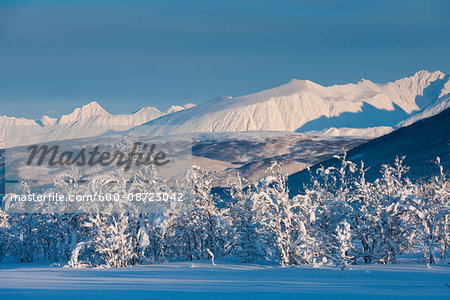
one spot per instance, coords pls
(302, 106)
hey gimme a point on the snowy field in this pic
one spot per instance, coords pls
(225, 281)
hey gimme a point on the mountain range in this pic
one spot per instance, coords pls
(304, 106)
(87, 121)
(363, 109)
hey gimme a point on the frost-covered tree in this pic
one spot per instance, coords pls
(277, 213)
(344, 239)
(340, 218)
(207, 223)
(309, 242)
(245, 226)
(4, 233)
(331, 192)
(366, 216)
(431, 209)
(110, 238)
(383, 216)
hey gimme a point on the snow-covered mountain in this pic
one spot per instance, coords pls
(89, 120)
(175, 108)
(364, 109)
(437, 103)
(302, 105)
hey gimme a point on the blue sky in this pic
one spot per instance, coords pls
(57, 55)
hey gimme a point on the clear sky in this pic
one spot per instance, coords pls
(58, 55)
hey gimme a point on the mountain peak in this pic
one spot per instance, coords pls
(189, 105)
(93, 109)
(424, 77)
(92, 104)
(147, 109)
(174, 108)
(86, 111)
(46, 120)
(426, 73)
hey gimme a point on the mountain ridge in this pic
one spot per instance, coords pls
(364, 109)
(291, 106)
(86, 121)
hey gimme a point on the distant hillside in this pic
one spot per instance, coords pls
(420, 142)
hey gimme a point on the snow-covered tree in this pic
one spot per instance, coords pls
(4, 233)
(208, 224)
(309, 241)
(276, 212)
(344, 239)
(431, 209)
(340, 218)
(331, 194)
(383, 216)
(245, 226)
(111, 239)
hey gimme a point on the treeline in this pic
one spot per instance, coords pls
(340, 219)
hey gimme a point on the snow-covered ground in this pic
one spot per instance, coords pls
(226, 281)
